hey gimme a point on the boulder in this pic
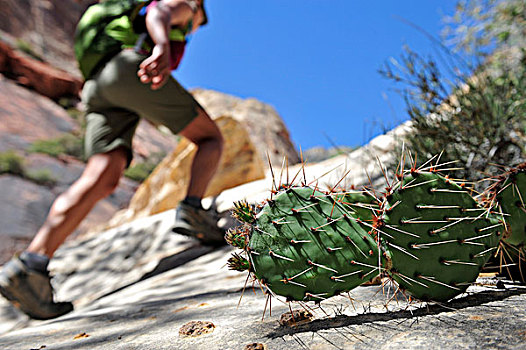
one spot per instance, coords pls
(265, 127)
(167, 185)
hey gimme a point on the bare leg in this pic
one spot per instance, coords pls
(99, 179)
(204, 133)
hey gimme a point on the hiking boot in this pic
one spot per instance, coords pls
(198, 223)
(30, 291)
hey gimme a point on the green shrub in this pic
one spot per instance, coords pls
(11, 163)
(41, 177)
(77, 115)
(65, 144)
(469, 101)
(26, 47)
(73, 145)
(476, 120)
(483, 28)
(52, 148)
(140, 171)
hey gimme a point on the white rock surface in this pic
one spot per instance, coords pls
(135, 286)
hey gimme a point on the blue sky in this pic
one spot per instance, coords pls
(315, 61)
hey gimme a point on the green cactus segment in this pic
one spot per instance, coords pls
(307, 245)
(511, 198)
(436, 236)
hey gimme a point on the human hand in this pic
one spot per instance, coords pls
(156, 68)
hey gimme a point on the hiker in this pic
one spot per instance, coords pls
(123, 85)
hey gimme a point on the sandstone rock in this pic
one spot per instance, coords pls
(196, 328)
(148, 315)
(24, 205)
(265, 127)
(97, 264)
(46, 26)
(40, 76)
(23, 208)
(295, 318)
(26, 117)
(167, 185)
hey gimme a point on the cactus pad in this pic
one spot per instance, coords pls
(436, 236)
(307, 245)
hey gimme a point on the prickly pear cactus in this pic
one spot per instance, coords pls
(435, 235)
(509, 261)
(508, 196)
(306, 245)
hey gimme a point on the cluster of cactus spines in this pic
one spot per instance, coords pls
(507, 195)
(244, 212)
(238, 263)
(238, 236)
(308, 245)
(436, 236)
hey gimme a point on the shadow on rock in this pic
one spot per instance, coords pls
(341, 321)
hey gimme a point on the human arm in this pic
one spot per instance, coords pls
(156, 68)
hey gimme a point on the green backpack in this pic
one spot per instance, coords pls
(104, 30)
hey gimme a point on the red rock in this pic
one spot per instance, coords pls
(46, 26)
(40, 76)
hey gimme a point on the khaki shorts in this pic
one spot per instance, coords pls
(116, 100)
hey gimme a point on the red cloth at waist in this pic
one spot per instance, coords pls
(176, 53)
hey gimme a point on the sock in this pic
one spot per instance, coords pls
(37, 262)
(193, 201)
